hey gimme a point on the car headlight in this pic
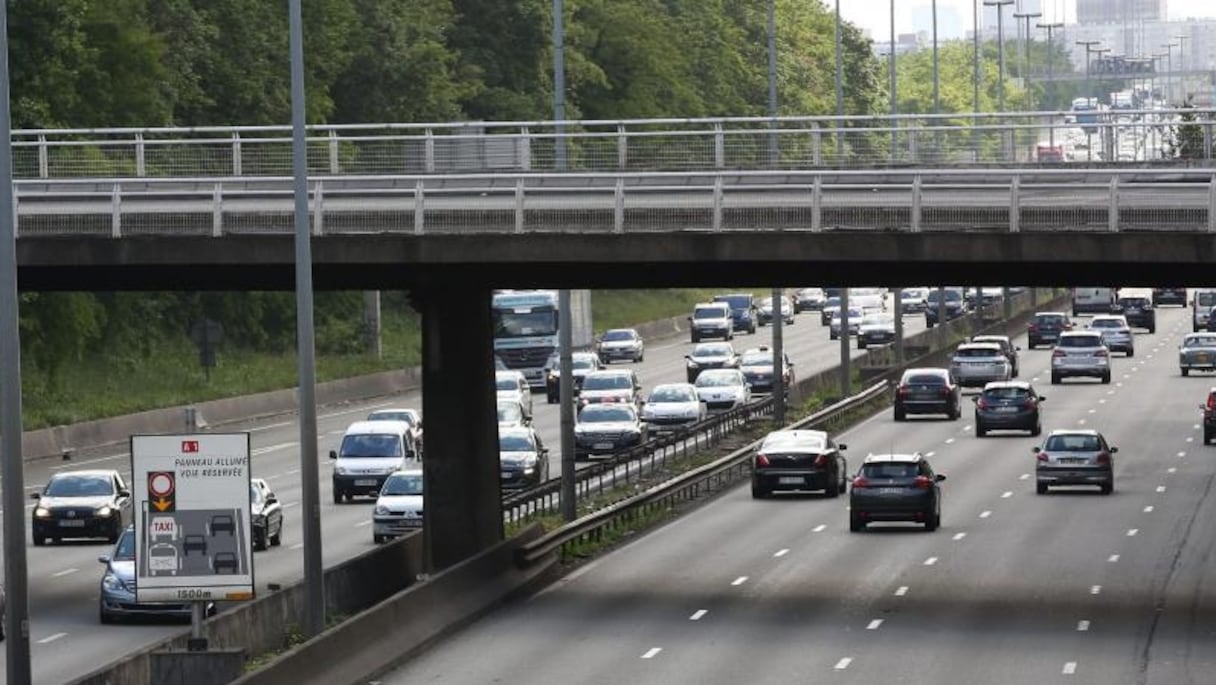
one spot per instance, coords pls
(381, 510)
(692, 364)
(42, 512)
(111, 582)
(103, 511)
(341, 470)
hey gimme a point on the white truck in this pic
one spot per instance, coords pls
(526, 329)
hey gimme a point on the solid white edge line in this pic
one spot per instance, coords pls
(51, 638)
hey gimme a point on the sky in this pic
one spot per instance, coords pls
(873, 14)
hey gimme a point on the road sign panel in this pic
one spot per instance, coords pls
(193, 532)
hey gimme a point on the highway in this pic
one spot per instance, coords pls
(66, 639)
(1014, 589)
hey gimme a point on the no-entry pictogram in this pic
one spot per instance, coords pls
(161, 487)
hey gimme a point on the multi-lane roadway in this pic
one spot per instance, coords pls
(66, 638)
(1015, 588)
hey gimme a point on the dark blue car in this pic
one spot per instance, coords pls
(742, 310)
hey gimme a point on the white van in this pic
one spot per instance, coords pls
(1201, 305)
(369, 453)
(1090, 300)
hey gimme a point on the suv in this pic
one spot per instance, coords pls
(1209, 417)
(1116, 333)
(1080, 353)
(896, 487)
(742, 310)
(711, 320)
(799, 460)
(1169, 296)
(1046, 327)
(1007, 346)
(977, 364)
(1075, 457)
(927, 391)
(1138, 311)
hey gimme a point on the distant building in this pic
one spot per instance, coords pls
(1119, 11)
(949, 22)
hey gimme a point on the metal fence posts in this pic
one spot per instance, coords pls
(237, 165)
(817, 203)
(1113, 210)
(1212, 204)
(1015, 208)
(140, 168)
(217, 211)
(419, 203)
(717, 226)
(519, 205)
(916, 200)
(719, 146)
(618, 206)
(116, 212)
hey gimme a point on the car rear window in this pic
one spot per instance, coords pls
(890, 470)
(977, 352)
(925, 379)
(1050, 320)
(1081, 341)
(1006, 393)
(1072, 443)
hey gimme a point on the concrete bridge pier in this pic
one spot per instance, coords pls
(463, 511)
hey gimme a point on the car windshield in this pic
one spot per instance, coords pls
(708, 313)
(853, 314)
(604, 413)
(907, 294)
(1072, 443)
(1002, 343)
(515, 443)
(831, 302)
(255, 494)
(1081, 341)
(612, 336)
(1008, 393)
(951, 296)
(925, 379)
(717, 380)
(714, 350)
(78, 485)
(877, 320)
(792, 442)
(405, 416)
(125, 549)
(1134, 301)
(613, 382)
(1106, 323)
(673, 395)
(977, 352)
(1200, 341)
(403, 484)
(509, 413)
(371, 445)
(1206, 298)
(757, 359)
(735, 301)
(890, 470)
(507, 384)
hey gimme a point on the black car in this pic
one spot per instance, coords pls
(955, 305)
(266, 514)
(799, 460)
(81, 504)
(1138, 311)
(1010, 405)
(927, 391)
(895, 487)
(1046, 327)
(1169, 296)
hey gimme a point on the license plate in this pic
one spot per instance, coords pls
(1072, 460)
(506, 475)
(1006, 410)
(72, 523)
(365, 483)
(890, 491)
(791, 480)
(1201, 358)
(602, 446)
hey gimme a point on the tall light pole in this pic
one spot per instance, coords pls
(1051, 75)
(565, 382)
(1026, 50)
(1182, 62)
(894, 91)
(839, 87)
(772, 82)
(937, 99)
(1169, 70)
(1000, 51)
(975, 77)
(1089, 49)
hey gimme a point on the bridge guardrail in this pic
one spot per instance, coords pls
(1002, 200)
(685, 486)
(961, 138)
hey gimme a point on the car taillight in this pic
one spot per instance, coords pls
(1058, 353)
(903, 391)
(1211, 402)
(923, 482)
(1104, 457)
(1028, 403)
(946, 390)
(1042, 456)
(1033, 327)
(981, 404)
(821, 460)
(761, 460)
(1101, 353)
(861, 482)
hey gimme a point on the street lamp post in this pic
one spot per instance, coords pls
(937, 95)
(975, 77)
(1089, 49)
(839, 87)
(1051, 75)
(1025, 31)
(1000, 51)
(1169, 71)
(894, 99)
(772, 82)
(1182, 62)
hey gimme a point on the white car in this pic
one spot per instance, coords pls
(410, 416)
(723, 389)
(1116, 333)
(511, 414)
(606, 428)
(977, 364)
(672, 405)
(399, 506)
(513, 385)
(913, 300)
(808, 299)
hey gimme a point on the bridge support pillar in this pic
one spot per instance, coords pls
(463, 509)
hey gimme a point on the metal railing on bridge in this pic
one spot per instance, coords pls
(960, 139)
(1004, 200)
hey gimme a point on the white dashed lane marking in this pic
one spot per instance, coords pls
(1160, 488)
(652, 652)
(843, 663)
(819, 528)
(959, 536)
(1024, 476)
(1082, 626)
(1182, 454)
(51, 638)
(698, 615)
(1070, 668)
(1007, 494)
(930, 561)
(985, 514)
(1095, 590)
(1113, 558)
(298, 545)
(930, 453)
(1171, 470)
(874, 625)
(739, 581)
(781, 552)
(64, 572)
(363, 524)
(1148, 509)
(1131, 532)
(901, 590)
(949, 440)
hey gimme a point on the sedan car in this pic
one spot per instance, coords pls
(1006, 345)
(81, 504)
(977, 364)
(1046, 327)
(1169, 296)
(1009, 405)
(876, 329)
(1075, 457)
(1209, 416)
(603, 429)
(710, 356)
(117, 596)
(523, 459)
(927, 391)
(673, 405)
(1116, 333)
(830, 307)
(1080, 353)
(764, 311)
(399, 506)
(412, 418)
(856, 314)
(513, 385)
(621, 344)
(511, 413)
(611, 386)
(799, 460)
(955, 305)
(581, 364)
(722, 389)
(757, 367)
(896, 487)
(808, 300)
(266, 513)
(1197, 353)
(913, 300)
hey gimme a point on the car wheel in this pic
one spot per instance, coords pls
(932, 522)
(832, 489)
(1131, 352)
(337, 496)
(1041, 488)
(1207, 436)
(277, 538)
(861, 344)
(641, 358)
(1184, 372)
(1108, 487)
(695, 339)
(1106, 377)
(378, 539)
(259, 539)
(1055, 379)
(856, 525)
(1152, 329)
(980, 431)
(551, 399)
(1030, 343)
(832, 336)
(1037, 430)
(900, 414)
(105, 617)
(758, 491)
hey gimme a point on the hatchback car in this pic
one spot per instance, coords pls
(1209, 417)
(799, 460)
(81, 504)
(757, 367)
(1046, 327)
(621, 344)
(511, 413)
(977, 364)
(875, 329)
(513, 385)
(1006, 345)
(856, 314)
(764, 311)
(581, 364)
(913, 300)
(523, 459)
(1197, 353)
(266, 514)
(117, 591)
(1075, 457)
(1080, 353)
(808, 300)
(1169, 296)
(398, 506)
(710, 356)
(673, 405)
(955, 305)
(830, 306)
(1010, 405)
(927, 391)
(896, 487)
(1116, 333)
(603, 429)
(722, 389)
(1139, 312)
(611, 386)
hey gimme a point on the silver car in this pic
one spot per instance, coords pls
(1080, 353)
(1075, 457)
(856, 314)
(1197, 353)
(977, 364)
(1116, 333)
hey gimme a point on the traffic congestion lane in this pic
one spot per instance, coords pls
(735, 590)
